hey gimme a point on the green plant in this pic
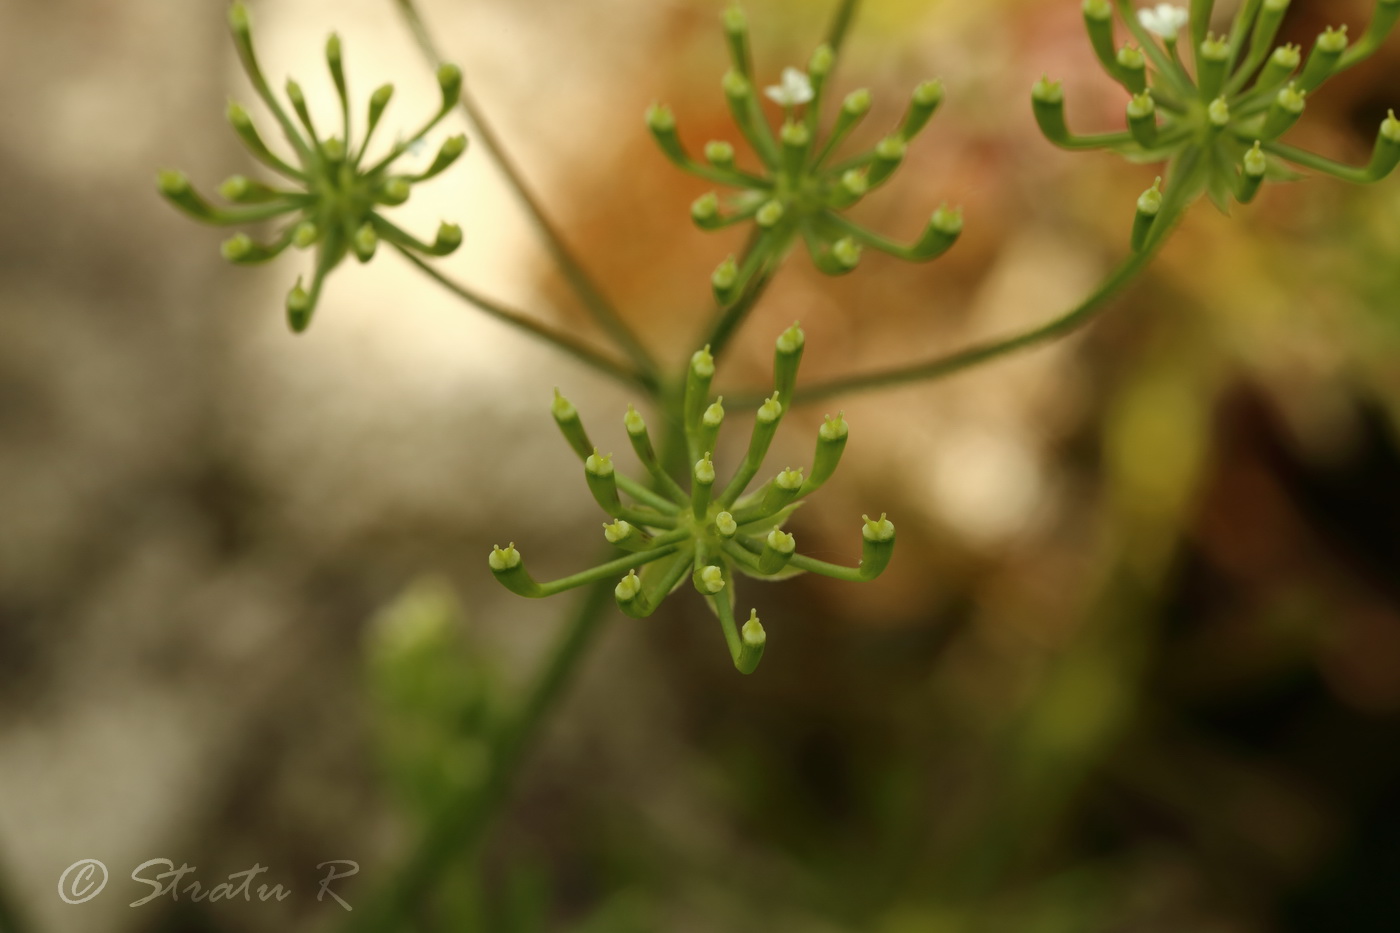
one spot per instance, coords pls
(1217, 126)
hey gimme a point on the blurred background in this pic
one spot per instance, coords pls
(1135, 666)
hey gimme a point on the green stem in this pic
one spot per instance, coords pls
(977, 354)
(593, 358)
(460, 829)
(579, 280)
(729, 319)
(841, 21)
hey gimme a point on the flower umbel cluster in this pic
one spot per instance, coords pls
(798, 190)
(335, 193)
(1217, 121)
(713, 529)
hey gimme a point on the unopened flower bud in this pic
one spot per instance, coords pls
(787, 356)
(570, 425)
(709, 580)
(365, 242)
(1213, 56)
(720, 154)
(777, 551)
(1149, 205)
(1132, 66)
(726, 525)
(877, 545)
(1287, 107)
(769, 214)
(922, 104)
(602, 482)
(724, 281)
(752, 639)
(1322, 61)
(1255, 164)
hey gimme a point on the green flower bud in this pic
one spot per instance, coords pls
(769, 214)
(239, 19)
(787, 356)
(877, 545)
(821, 62)
(697, 386)
(237, 247)
(1219, 113)
(1255, 164)
(922, 104)
(1132, 67)
(943, 229)
(305, 235)
(1322, 61)
(1387, 152)
(508, 568)
(662, 123)
(856, 104)
(704, 211)
(448, 238)
(243, 190)
(726, 525)
(889, 152)
(770, 411)
(1149, 205)
(1280, 66)
(299, 308)
(724, 281)
(1098, 23)
(602, 482)
(627, 590)
(449, 78)
(777, 551)
(752, 639)
(1213, 56)
(634, 423)
(1284, 111)
(710, 422)
(333, 150)
(1048, 105)
(831, 443)
(709, 580)
(395, 191)
(796, 138)
(570, 425)
(846, 252)
(450, 151)
(623, 534)
(365, 242)
(1142, 119)
(703, 476)
(736, 88)
(720, 154)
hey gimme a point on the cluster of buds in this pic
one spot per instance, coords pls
(714, 529)
(335, 194)
(1217, 122)
(798, 190)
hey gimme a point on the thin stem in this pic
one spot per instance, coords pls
(460, 828)
(977, 354)
(564, 342)
(841, 21)
(579, 280)
(729, 319)
(605, 571)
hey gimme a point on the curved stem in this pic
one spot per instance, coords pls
(977, 354)
(564, 342)
(579, 280)
(460, 829)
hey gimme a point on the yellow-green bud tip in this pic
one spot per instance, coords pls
(725, 525)
(627, 590)
(705, 470)
(1255, 162)
(702, 363)
(1151, 200)
(714, 415)
(172, 182)
(770, 410)
(562, 408)
(617, 531)
(236, 247)
(789, 479)
(857, 103)
(633, 421)
(876, 530)
(792, 339)
(833, 429)
(752, 632)
(1047, 91)
(504, 558)
(599, 464)
(712, 579)
(661, 119)
(781, 541)
(1390, 128)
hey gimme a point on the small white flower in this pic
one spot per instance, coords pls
(795, 89)
(1164, 19)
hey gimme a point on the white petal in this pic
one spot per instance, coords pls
(795, 89)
